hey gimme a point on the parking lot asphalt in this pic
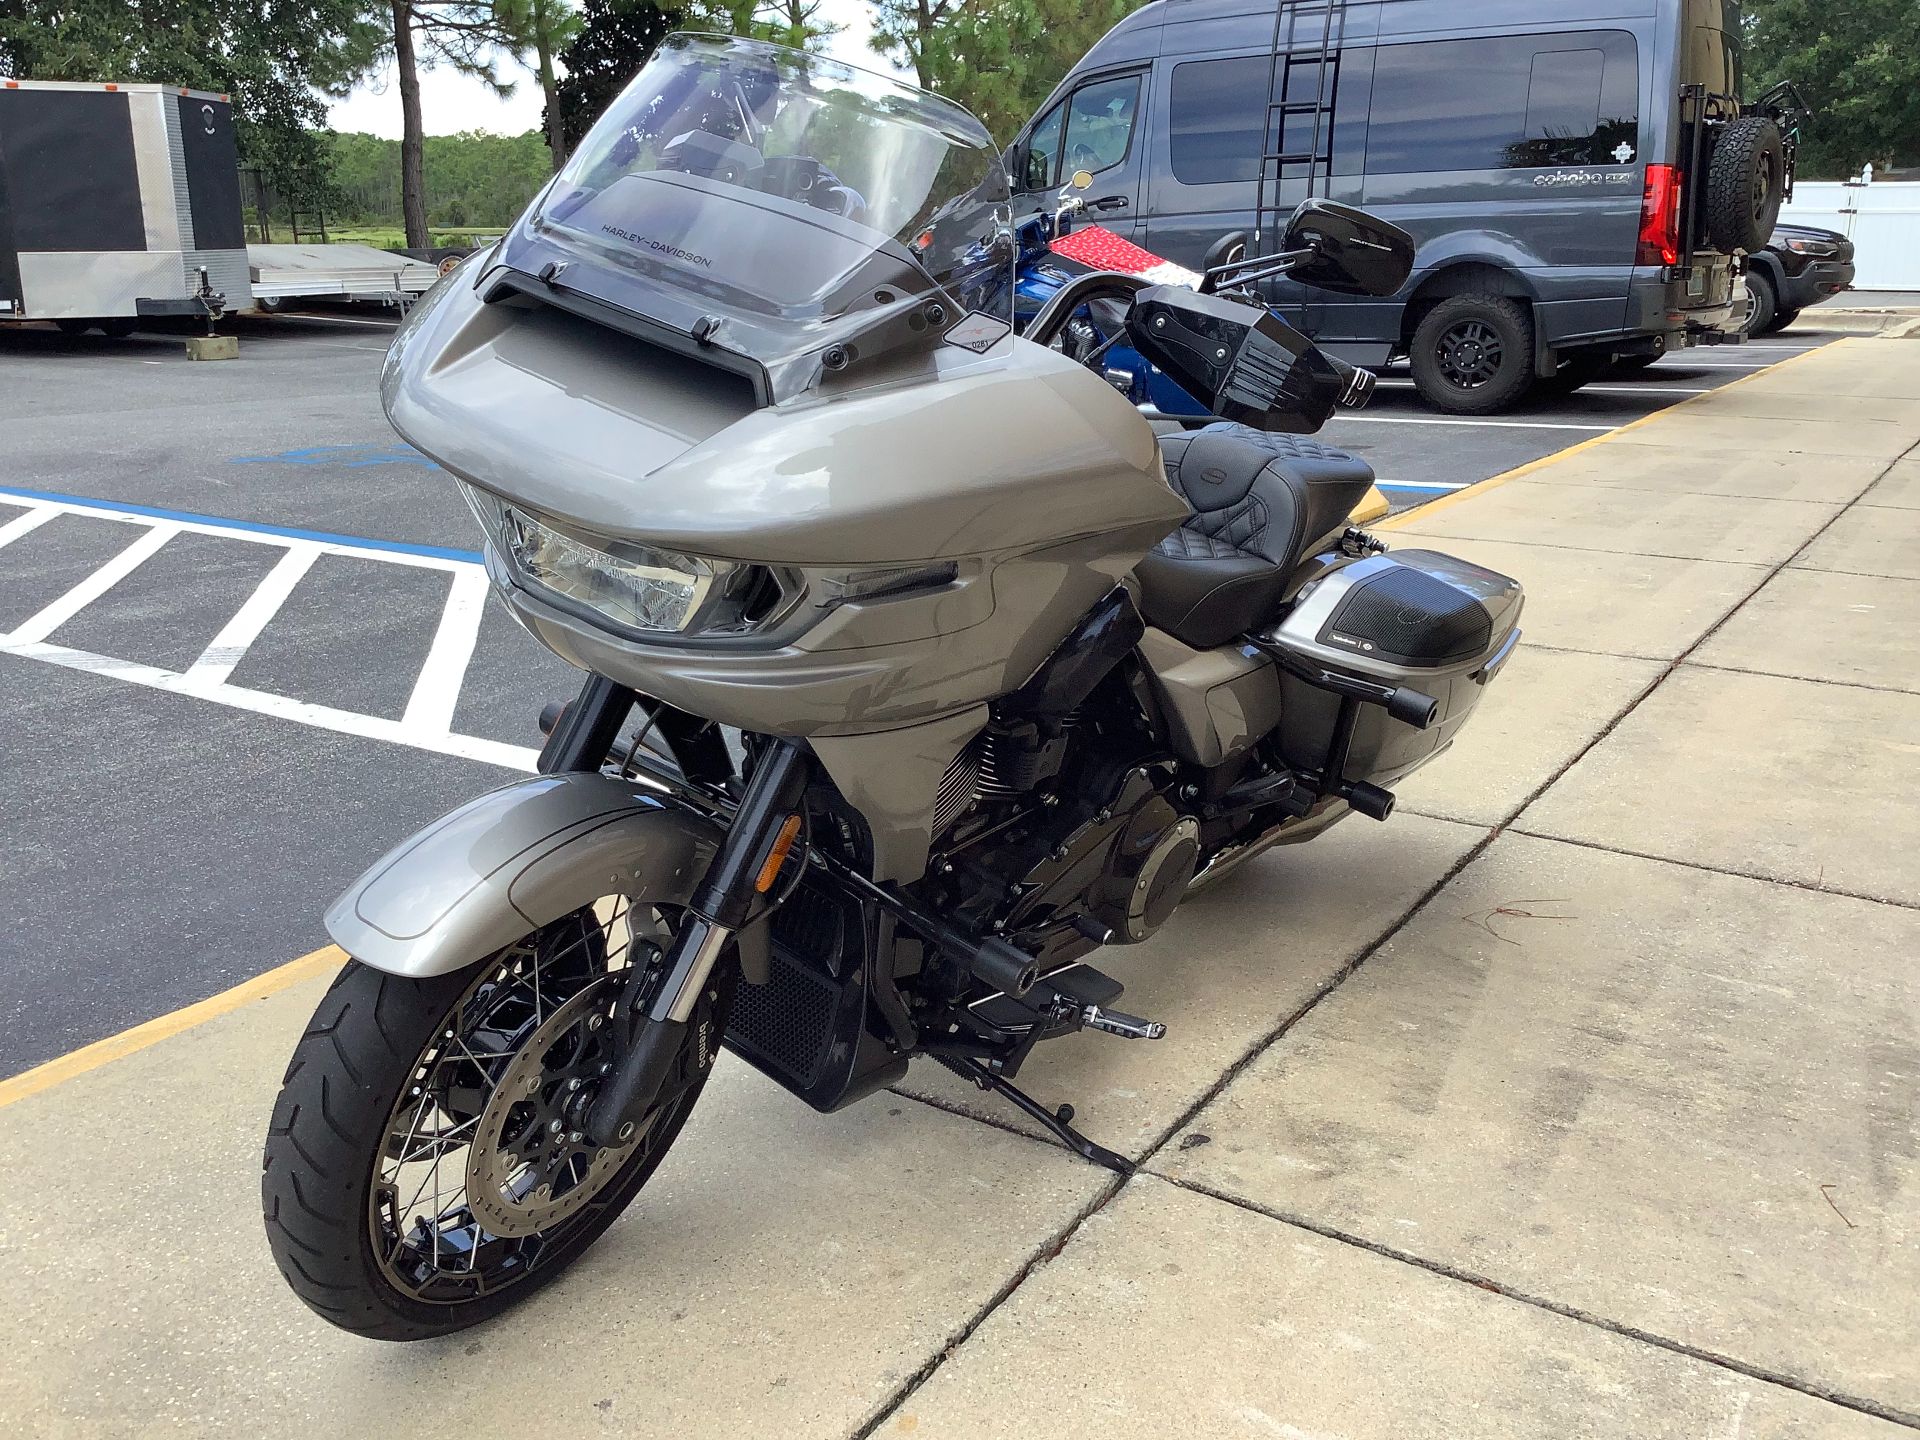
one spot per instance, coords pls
(243, 646)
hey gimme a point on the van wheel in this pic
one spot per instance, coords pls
(1762, 304)
(1746, 182)
(1473, 354)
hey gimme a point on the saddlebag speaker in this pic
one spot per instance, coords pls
(1414, 619)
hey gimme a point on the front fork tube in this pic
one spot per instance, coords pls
(742, 869)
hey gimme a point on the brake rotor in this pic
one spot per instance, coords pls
(529, 1167)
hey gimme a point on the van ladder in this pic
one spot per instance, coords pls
(1301, 86)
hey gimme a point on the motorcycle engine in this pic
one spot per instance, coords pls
(1113, 862)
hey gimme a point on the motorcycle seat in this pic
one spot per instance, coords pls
(1261, 504)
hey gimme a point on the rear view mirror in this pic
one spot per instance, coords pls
(1353, 252)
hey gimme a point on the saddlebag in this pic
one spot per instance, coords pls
(1414, 620)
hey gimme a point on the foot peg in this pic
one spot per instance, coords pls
(1127, 1027)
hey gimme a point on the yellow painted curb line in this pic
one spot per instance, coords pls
(1371, 508)
(1493, 482)
(128, 1042)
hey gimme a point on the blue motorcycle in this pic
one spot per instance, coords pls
(1044, 269)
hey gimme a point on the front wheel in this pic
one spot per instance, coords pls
(423, 1169)
(1762, 305)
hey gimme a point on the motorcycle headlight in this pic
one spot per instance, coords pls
(637, 587)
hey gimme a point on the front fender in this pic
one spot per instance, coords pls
(513, 860)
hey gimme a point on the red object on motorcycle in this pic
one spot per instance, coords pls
(1100, 248)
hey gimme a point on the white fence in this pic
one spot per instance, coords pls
(1882, 220)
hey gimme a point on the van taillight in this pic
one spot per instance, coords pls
(1660, 217)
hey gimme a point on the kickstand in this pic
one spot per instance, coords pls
(1058, 1123)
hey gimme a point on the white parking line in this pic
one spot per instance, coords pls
(229, 647)
(321, 717)
(1591, 389)
(1346, 418)
(427, 720)
(1682, 364)
(437, 691)
(51, 617)
(21, 524)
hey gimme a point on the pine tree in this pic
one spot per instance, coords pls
(615, 39)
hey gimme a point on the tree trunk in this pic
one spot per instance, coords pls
(556, 131)
(920, 66)
(413, 140)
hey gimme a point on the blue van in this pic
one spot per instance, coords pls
(1580, 174)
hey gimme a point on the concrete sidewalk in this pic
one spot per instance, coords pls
(1581, 1099)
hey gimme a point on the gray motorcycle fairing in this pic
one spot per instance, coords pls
(518, 858)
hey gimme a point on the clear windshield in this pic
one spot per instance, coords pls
(786, 186)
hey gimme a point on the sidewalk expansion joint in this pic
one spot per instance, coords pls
(1686, 655)
(1858, 1403)
(1064, 1236)
(907, 1388)
(1812, 888)
(1803, 679)
(1863, 574)
(1839, 508)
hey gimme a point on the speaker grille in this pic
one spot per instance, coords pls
(1410, 617)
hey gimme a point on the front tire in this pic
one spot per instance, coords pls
(1473, 354)
(1762, 304)
(402, 1087)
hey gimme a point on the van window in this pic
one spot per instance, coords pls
(1515, 102)
(1043, 150)
(1098, 119)
(1214, 113)
(1100, 124)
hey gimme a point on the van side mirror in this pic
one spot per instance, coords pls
(1353, 253)
(1015, 161)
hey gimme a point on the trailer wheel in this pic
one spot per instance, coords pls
(74, 327)
(1746, 183)
(119, 327)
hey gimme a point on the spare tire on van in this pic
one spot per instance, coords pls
(1746, 183)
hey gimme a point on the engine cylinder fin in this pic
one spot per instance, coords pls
(959, 786)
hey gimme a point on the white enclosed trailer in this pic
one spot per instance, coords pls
(116, 203)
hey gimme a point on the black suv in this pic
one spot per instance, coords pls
(1801, 266)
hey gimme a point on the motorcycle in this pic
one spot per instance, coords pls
(919, 670)
(1052, 251)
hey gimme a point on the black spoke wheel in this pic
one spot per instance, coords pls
(426, 1168)
(1473, 354)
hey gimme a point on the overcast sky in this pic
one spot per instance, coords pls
(451, 102)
